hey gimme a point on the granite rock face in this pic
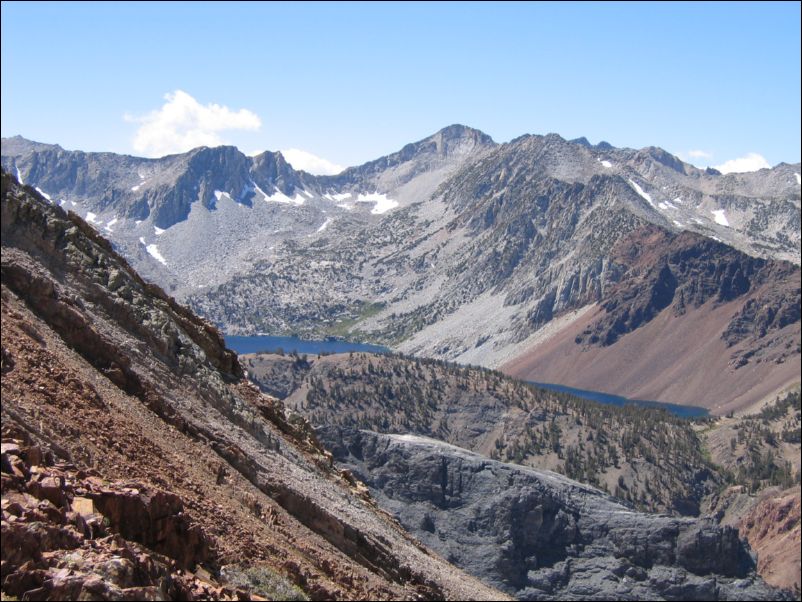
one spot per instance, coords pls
(538, 535)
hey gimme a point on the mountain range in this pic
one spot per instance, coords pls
(138, 462)
(620, 270)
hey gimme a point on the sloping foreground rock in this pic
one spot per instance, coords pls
(539, 535)
(110, 378)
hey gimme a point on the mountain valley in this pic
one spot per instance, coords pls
(524, 256)
(430, 472)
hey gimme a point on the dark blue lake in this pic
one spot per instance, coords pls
(268, 344)
(617, 400)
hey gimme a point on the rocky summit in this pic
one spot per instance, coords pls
(524, 256)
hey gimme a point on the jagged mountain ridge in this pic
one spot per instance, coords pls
(133, 446)
(455, 247)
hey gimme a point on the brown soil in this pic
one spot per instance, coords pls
(671, 359)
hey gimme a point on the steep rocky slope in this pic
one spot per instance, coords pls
(761, 452)
(689, 320)
(462, 249)
(648, 457)
(134, 451)
(539, 535)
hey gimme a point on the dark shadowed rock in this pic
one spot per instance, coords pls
(539, 535)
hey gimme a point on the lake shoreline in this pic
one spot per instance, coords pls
(273, 344)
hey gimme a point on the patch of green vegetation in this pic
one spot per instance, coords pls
(262, 581)
(344, 327)
(761, 435)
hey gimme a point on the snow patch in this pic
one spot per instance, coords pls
(311, 196)
(383, 204)
(43, 193)
(678, 224)
(720, 217)
(138, 186)
(796, 175)
(90, 217)
(111, 223)
(219, 195)
(280, 197)
(325, 225)
(641, 192)
(338, 197)
(137, 222)
(73, 203)
(19, 175)
(154, 252)
(158, 230)
(678, 201)
(142, 240)
(604, 162)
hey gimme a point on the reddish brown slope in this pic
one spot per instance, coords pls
(691, 322)
(773, 530)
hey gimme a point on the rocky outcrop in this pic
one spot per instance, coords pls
(773, 529)
(660, 270)
(69, 534)
(539, 535)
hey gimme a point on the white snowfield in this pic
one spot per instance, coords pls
(154, 252)
(280, 197)
(383, 204)
(720, 217)
(337, 197)
(325, 225)
(642, 193)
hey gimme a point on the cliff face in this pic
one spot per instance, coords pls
(131, 440)
(539, 535)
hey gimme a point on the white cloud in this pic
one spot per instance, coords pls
(183, 124)
(699, 154)
(313, 164)
(751, 162)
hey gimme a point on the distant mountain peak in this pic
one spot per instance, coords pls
(457, 131)
(18, 145)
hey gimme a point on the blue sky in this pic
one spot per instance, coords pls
(351, 82)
